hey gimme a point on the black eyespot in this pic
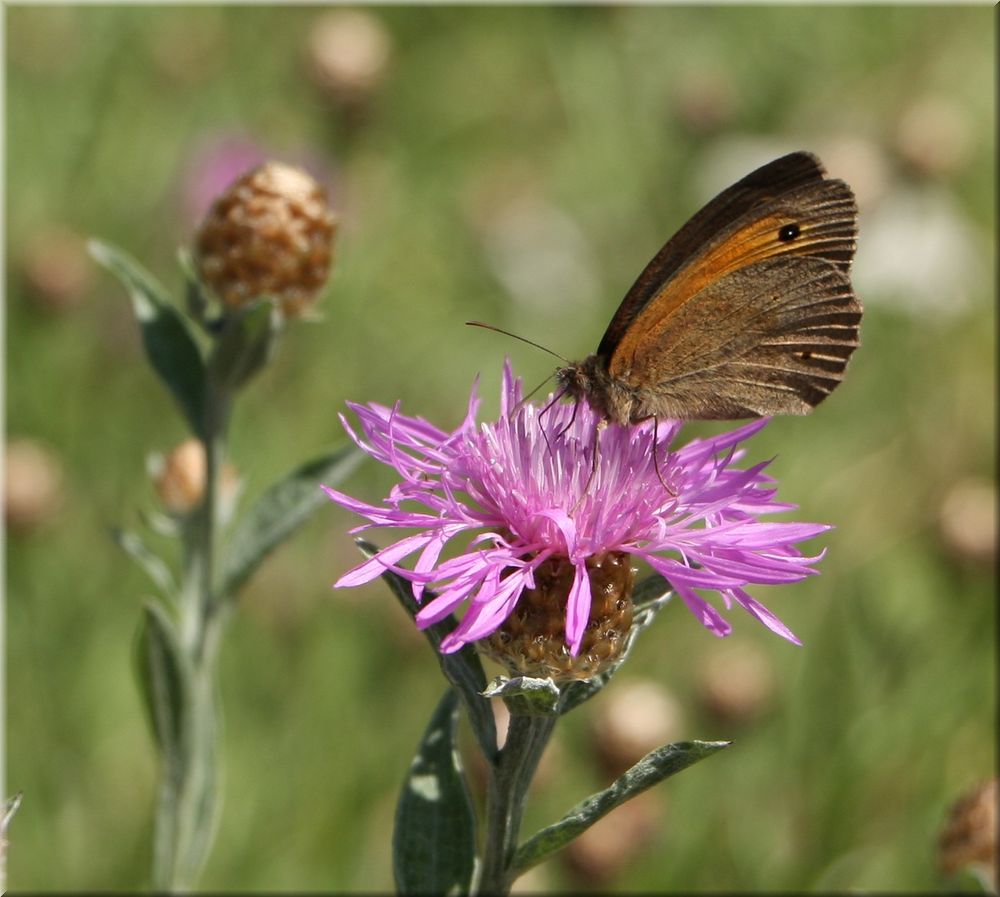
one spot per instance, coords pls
(788, 233)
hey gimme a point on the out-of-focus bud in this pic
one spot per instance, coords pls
(636, 717)
(737, 683)
(705, 102)
(348, 53)
(609, 846)
(32, 484)
(933, 137)
(270, 234)
(968, 521)
(969, 837)
(180, 480)
(56, 269)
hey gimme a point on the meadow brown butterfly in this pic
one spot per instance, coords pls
(747, 311)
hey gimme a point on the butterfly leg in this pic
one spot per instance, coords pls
(656, 463)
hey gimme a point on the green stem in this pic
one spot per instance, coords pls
(506, 795)
(188, 797)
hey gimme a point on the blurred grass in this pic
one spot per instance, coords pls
(520, 166)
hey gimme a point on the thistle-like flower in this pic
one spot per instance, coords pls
(558, 504)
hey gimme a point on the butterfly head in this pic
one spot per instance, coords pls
(590, 380)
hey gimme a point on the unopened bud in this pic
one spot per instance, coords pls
(968, 521)
(180, 481)
(636, 717)
(736, 683)
(56, 269)
(348, 53)
(532, 640)
(270, 234)
(969, 838)
(32, 484)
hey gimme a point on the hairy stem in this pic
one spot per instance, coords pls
(506, 795)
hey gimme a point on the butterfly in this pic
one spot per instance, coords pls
(747, 311)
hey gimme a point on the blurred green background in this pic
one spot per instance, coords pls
(520, 166)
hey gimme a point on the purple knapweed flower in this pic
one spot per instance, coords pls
(528, 489)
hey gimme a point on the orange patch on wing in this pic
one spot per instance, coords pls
(755, 242)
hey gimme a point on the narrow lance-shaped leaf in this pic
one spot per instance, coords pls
(434, 840)
(463, 669)
(154, 566)
(170, 345)
(654, 767)
(165, 680)
(280, 511)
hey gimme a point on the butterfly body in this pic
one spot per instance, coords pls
(747, 311)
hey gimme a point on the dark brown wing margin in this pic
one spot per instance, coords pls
(760, 186)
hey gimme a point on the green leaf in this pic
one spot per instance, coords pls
(654, 767)
(649, 597)
(165, 680)
(170, 345)
(246, 343)
(463, 669)
(195, 295)
(280, 511)
(154, 566)
(434, 840)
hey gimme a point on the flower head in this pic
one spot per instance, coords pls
(270, 234)
(556, 485)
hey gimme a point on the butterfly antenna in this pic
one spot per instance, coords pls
(530, 394)
(515, 336)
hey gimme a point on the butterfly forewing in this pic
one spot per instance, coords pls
(773, 337)
(762, 186)
(813, 221)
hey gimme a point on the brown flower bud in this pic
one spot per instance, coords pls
(180, 481)
(56, 269)
(969, 837)
(32, 484)
(968, 521)
(532, 640)
(269, 234)
(736, 683)
(348, 53)
(636, 717)
(934, 137)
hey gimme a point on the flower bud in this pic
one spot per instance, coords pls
(967, 520)
(32, 484)
(532, 640)
(180, 480)
(270, 234)
(56, 269)
(736, 683)
(969, 838)
(636, 717)
(348, 53)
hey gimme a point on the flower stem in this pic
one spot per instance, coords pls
(189, 789)
(507, 792)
